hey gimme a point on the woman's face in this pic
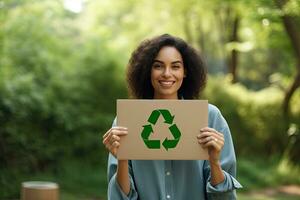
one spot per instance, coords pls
(167, 73)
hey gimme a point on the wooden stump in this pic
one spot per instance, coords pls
(37, 190)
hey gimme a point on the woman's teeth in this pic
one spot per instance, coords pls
(166, 83)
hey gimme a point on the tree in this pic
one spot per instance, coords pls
(291, 25)
(230, 25)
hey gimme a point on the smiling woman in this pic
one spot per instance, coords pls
(166, 67)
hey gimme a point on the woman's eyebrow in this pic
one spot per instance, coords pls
(174, 62)
(177, 61)
(159, 61)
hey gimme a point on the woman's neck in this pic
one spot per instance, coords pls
(165, 96)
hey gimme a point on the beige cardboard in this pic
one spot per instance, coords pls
(190, 117)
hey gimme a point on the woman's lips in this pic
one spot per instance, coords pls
(166, 83)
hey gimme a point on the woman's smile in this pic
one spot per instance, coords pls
(166, 83)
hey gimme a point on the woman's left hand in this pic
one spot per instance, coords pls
(212, 140)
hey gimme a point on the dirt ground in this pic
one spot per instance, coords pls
(288, 192)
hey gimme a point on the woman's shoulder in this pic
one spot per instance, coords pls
(215, 118)
(213, 110)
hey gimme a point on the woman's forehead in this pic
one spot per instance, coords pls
(168, 53)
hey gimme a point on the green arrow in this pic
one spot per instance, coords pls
(146, 131)
(167, 116)
(168, 144)
(175, 131)
(154, 116)
(152, 144)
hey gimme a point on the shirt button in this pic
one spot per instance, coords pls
(168, 173)
(168, 196)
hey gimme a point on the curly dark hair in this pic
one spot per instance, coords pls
(141, 61)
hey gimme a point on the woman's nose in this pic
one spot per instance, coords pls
(167, 72)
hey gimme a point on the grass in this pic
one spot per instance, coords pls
(78, 180)
(266, 197)
(254, 173)
(84, 180)
(261, 178)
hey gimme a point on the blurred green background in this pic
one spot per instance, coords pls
(62, 67)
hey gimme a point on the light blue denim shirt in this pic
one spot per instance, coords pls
(179, 179)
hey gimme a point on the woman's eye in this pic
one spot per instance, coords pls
(175, 66)
(156, 66)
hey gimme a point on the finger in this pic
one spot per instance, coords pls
(204, 135)
(213, 144)
(217, 137)
(107, 146)
(114, 148)
(119, 132)
(120, 128)
(105, 134)
(114, 129)
(207, 129)
(210, 130)
(114, 132)
(204, 141)
(208, 140)
(114, 138)
(116, 144)
(107, 139)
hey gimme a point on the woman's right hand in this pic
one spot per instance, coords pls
(111, 139)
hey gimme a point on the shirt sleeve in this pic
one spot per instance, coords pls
(226, 189)
(114, 191)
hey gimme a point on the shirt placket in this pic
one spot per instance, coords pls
(169, 180)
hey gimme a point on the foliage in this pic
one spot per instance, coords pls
(61, 72)
(255, 118)
(76, 180)
(54, 98)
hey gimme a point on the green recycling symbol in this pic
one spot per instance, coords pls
(155, 144)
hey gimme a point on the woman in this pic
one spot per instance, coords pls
(166, 67)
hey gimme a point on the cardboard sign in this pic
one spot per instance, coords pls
(162, 129)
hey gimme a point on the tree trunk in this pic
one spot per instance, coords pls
(229, 26)
(200, 39)
(187, 27)
(233, 62)
(290, 26)
(289, 93)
